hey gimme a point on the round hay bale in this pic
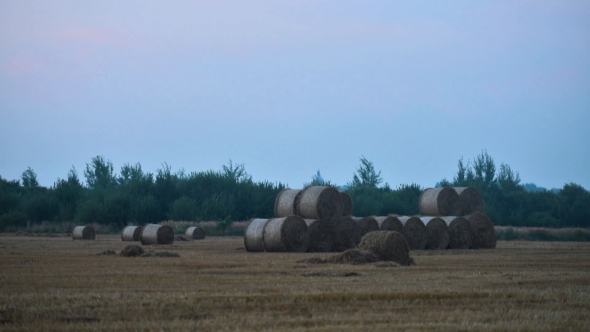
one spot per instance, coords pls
(320, 202)
(84, 233)
(471, 200)
(388, 245)
(345, 233)
(366, 224)
(390, 223)
(288, 234)
(132, 250)
(437, 233)
(254, 234)
(460, 233)
(157, 234)
(354, 257)
(195, 233)
(320, 236)
(131, 233)
(482, 228)
(346, 204)
(415, 232)
(439, 202)
(286, 202)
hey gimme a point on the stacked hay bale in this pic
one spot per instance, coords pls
(346, 234)
(254, 234)
(390, 223)
(288, 234)
(461, 208)
(388, 245)
(366, 224)
(84, 233)
(437, 233)
(414, 232)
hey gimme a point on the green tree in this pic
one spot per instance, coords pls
(365, 175)
(29, 178)
(99, 173)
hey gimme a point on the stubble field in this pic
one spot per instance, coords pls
(60, 284)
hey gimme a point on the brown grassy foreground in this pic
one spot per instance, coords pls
(60, 284)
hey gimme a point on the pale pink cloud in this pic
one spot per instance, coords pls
(21, 66)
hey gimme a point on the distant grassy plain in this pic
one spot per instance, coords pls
(59, 284)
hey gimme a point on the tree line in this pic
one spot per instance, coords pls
(133, 196)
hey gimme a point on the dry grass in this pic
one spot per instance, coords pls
(215, 285)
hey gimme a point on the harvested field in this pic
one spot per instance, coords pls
(534, 286)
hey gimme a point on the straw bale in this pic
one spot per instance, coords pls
(390, 223)
(320, 236)
(414, 231)
(439, 202)
(288, 234)
(346, 204)
(320, 202)
(157, 234)
(354, 257)
(437, 233)
(471, 200)
(346, 234)
(195, 233)
(286, 202)
(388, 245)
(84, 233)
(254, 234)
(460, 233)
(366, 224)
(132, 250)
(482, 228)
(131, 233)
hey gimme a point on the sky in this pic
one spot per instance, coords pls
(289, 87)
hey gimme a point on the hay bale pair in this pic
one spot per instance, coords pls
(315, 202)
(83, 233)
(288, 234)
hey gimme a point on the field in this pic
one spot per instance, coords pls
(60, 284)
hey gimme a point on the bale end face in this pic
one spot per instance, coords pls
(83, 233)
(195, 233)
(253, 236)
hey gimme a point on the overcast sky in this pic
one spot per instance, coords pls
(290, 87)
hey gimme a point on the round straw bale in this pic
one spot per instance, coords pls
(320, 202)
(415, 232)
(346, 204)
(366, 224)
(320, 236)
(346, 234)
(157, 234)
(471, 200)
(84, 233)
(388, 245)
(131, 233)
(286, 202)
(288, 234)
(195, 233)
(439, 202)
(254, 234)
(460, 233)
(390, 223)
(354, 257)
(482, 228)
(437, 233)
